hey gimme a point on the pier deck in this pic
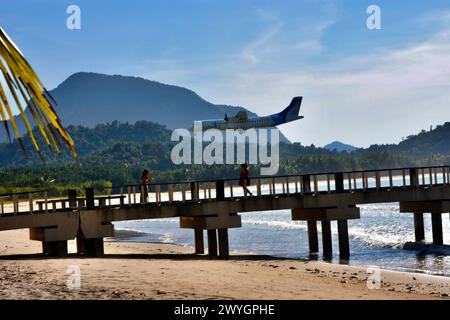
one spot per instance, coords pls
(215, 206)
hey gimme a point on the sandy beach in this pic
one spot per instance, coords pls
(132, 270)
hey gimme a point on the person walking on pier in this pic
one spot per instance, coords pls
(244, 179)
(145, 180)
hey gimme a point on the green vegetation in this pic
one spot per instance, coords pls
(116, 153)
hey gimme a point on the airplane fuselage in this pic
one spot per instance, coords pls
(242, 122)
(232, 123)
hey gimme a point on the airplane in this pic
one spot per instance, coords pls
(241, 121)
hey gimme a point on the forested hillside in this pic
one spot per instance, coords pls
(115, 153)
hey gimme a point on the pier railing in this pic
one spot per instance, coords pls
(227, 189)
(22, 202)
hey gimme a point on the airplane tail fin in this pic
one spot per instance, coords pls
(292, 110)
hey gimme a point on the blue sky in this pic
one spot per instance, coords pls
(360, 86)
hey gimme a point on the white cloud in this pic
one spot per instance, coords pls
(375, 98)
(361, 99)
(251, 53)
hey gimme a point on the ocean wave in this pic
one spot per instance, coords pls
(133, 230)
(376, 238)
(167, 238)
(428, 248)
(276, 224)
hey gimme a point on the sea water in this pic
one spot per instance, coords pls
(383, 237)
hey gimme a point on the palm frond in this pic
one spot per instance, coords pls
(25, 89)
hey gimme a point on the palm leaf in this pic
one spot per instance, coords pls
(25, 88)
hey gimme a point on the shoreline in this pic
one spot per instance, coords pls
(122, 235)
(137, 270)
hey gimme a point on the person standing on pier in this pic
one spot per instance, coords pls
(244, 179)
(145, 180)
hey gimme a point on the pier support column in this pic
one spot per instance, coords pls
(340, 214)
(344, 245)
(94, 227)
(212, 242)
(436, 208)
(90, 247)
(199, 245)
(81, 247)
(312, 237)
(55, 248)
(94, 247)
(436, 224)
(224, 251)
(214, 225)
(327, 242)
(419, 229)
(61, 227)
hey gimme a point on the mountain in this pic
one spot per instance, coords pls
(339, 146)
(88, 99)
(431, 145)
(435, 141)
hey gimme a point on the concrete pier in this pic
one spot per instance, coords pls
(212, 206)
(224, 250)
(55, 248)
(344, 245)
(436, 226)
(90, 247)
(436, 208)
(212, 243)
(93, 229)
(419, 229)
(312, 237)
(215, 226)
(327, 243)
(340, 214)
(199, 243)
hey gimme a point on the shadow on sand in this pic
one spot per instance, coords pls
(149, 256)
